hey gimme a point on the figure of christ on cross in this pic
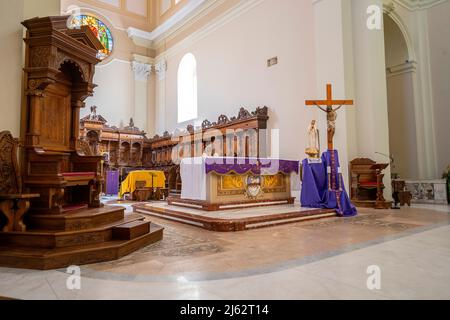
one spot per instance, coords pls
(331, 113)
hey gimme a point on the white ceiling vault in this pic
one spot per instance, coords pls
(192, 10)
(195, 8)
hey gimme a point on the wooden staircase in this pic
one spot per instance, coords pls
(76, 238)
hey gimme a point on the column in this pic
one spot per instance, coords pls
(160, 118)
(142, 71)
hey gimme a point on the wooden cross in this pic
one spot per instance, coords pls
(331, 113)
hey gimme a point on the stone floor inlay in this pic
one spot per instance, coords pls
(323, 259)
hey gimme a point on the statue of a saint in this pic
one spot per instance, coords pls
(210, 149)
(313, 148)
(93, 115)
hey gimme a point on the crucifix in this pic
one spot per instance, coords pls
(331, 113)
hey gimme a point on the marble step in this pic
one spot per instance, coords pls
(61, 238)
(130, 230)
(46, 259)
(76, 220)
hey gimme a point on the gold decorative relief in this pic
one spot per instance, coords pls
(275, 183)
(234, 184)
(231, 184)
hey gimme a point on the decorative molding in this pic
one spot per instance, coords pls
(261, 113)
(144, 38)
(210, 27)
(390, 8)
(414, 5)
(141, 37)
(161, 68)
(407, 67)
(181, 16)
(141, 70)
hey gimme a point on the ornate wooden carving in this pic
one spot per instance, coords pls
(129, 149)
(13, 204)
(159, 152)
(121, 149)
(59, 71)
(9, 173)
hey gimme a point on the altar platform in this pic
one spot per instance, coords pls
(234, 220)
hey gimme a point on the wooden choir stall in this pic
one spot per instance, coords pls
(242, 135)
(66, 223)
(121, 148)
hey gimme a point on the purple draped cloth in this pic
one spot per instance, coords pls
(249, 165)
(112, 182)
(318, 192)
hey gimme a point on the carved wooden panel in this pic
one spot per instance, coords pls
(56, 118)
(9, 182)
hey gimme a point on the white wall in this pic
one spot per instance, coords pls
(11, 55)
(10, 65)
(118, 96)
(402, 129)
(232, 71)
(114, 94)
(439, 39)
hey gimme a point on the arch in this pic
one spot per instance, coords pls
(187, 88)
(401, 98)
(67, 64)
(390, 12)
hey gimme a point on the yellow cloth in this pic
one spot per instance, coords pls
(129, 184)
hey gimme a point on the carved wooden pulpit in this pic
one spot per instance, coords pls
(67, 224)
(59, 69)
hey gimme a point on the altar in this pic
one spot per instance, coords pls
(216, 183)
(151, 179)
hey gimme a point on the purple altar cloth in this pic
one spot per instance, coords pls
(112, 182)
(253, 165)
(315, 188)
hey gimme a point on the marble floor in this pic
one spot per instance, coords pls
(382, 254)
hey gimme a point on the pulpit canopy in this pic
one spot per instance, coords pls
(51, 45)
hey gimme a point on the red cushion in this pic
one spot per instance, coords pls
(368, 184)
(78, 174)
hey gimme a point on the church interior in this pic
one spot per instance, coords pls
(224, 149)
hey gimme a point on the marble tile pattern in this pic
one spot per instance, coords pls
(323, 259)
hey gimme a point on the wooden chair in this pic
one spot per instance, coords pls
(366, 184)
(13, 203)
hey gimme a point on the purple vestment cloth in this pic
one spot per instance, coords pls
(112, 182)
(318, 193)
(247, 165)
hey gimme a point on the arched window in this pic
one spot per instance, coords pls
(187, 88)
(100, 30)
